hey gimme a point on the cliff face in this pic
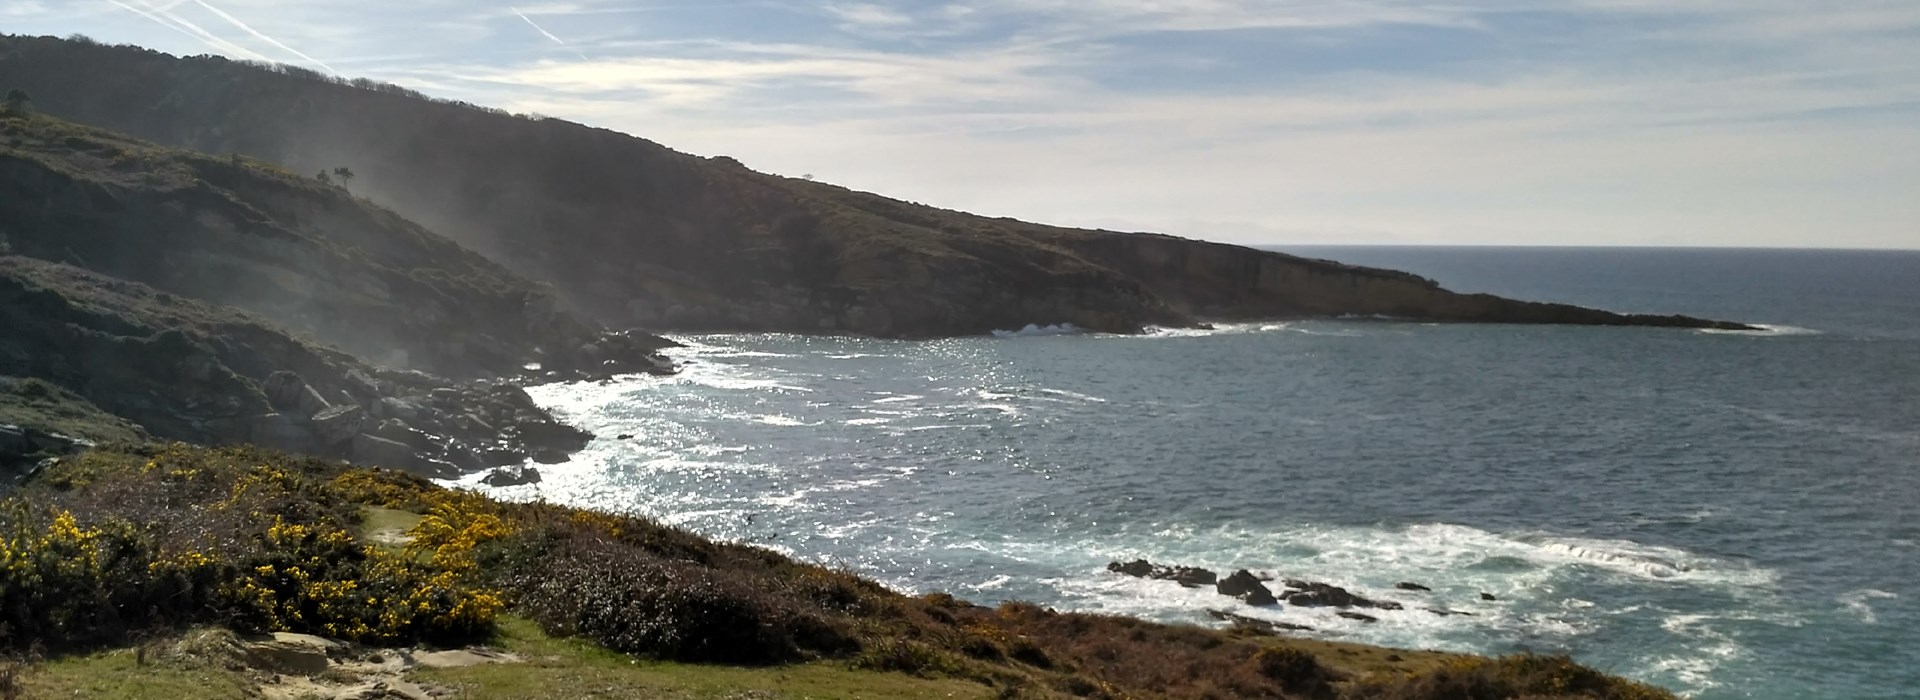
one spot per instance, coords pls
(633, 233)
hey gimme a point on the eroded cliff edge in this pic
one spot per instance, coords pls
(631, 233)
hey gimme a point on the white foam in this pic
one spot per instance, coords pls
(1034, 330)
(1860, 603)
(1765, 330)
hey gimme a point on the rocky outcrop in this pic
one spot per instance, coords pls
(305, 255)
(1186, 576)
(635, 234)
(1314, 594)
(184, 370)
(1245, 586)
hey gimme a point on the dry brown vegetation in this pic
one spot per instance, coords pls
(167, 537)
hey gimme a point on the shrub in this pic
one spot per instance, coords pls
(631, 601)
(1526, 675)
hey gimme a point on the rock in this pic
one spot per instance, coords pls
(445, 398)
(1187, 576)
(283, 390)
(1443, 612)
(463, 658)
(1138, 568)
(1245, 586)
(13, 440)
(624, 437)
(280, 431)
(1313, 594)
(339, 424)
(388, 689)
(551, 456)
(501, 457)
(381, 452)
(1358, 616)
(1487, 596)
(297, 654)
(1256, 626)
(402, 409)
(310, 402)
(519, 476)
(1405, 586)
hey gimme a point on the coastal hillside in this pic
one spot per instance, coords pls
(308, 255)
(635, 234)
(172, 571)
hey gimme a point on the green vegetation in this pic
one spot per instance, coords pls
(39, 405)
(129, 543)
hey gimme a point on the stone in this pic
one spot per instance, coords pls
(339, 424)
(13, 440)
(512, 476)
(1406, 586)
(402, 409)
(1358, 616)
(381, 452)
(283, 390)
(310, 403)
(551, 456)
(1487, 596)
(280, 431)
(1314, 594)
(1256, 626)
(1443, 612)
(297, 654)
(1138, 568)
(463, 658)
(1245, 586)
(502, 457)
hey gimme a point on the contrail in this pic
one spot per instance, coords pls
(166, 19)
(536, 27)
(543, 30)
(235, 21)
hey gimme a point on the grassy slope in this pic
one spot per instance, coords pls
(264, 542)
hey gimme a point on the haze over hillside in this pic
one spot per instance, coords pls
(635, 234)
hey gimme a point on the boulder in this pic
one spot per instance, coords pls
(1256, 626)
(1314, 594)
(1245, 586)
(1487, 596)
(310, 403)
(551, 456)
(1187, 576)
(339, 424)
(1138, 568)
(280, 431)
(512, 476)
(283, 390)
(1406, 586)
(381, 452)
(13, 440)
(297, 654)
(1443, 612)
(1358, 616)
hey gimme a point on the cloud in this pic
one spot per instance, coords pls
(242, 26)
(1485, 121)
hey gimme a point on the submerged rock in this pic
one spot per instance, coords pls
(1406, 586)
(1315, 594)
(1187, 576)
(512, 476)
(1245, 586)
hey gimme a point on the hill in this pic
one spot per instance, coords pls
(399, 580)
(633, 233)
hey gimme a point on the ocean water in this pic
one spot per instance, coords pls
(1731, 515)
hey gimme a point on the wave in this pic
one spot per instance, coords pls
(1034, 330)
(1860, 603)
(1765, 330)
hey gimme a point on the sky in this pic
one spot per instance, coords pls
(1477, 122)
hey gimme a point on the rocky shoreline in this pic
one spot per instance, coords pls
(1253, 589)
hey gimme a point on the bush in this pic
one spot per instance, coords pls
(631, 601)
(126, 540)
(1526, 675)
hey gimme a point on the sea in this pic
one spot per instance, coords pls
(1726, 514)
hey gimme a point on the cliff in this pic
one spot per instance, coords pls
(633, 233)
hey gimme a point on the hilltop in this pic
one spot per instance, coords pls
(632, 233)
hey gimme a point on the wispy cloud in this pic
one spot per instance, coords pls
(1709, 121)
(166, 18)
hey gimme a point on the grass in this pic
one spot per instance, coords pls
(599, 605)
(574, 668)
(33, 403)
(119, 674)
